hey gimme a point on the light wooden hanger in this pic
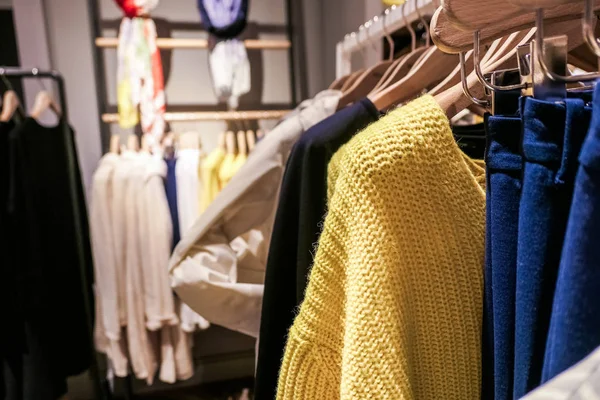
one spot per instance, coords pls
(453, 100)
(339, 82)
(368, 79)
(133, 143)
(10, 104)
(496, 47)
(534, 4)
(451, 39)
(230, 142)
(221, 141)
(430, 70)
(472, 15)
(250, 140)
(145, 145)
(404, 63)
(115, 144)
(242, 144)
(345, 82)
(43, 102)
(454, 77)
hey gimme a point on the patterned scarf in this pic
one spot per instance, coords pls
(140, 81)
(137, 8)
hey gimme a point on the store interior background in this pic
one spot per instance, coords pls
(58, 34)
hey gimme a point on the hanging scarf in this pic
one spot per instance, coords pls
(230, 71)
(225, 19)
(136, 8)
(140, 81)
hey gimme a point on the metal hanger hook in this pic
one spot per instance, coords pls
(588, 27)
(362, 45)
(465, 84)
(368, 26)
(425, 24)
(479, 72)
(388, 37)
(413, 34)
(539, 50)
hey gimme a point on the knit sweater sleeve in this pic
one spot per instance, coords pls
(392, 309)
(327, 332)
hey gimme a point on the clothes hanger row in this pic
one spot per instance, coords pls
(377, 80)
(473, 15)
(545, 76)
(242, 142)
(459, 82)
(453, 38)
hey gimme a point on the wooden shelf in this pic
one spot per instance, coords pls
(181, 43)
(211, 116)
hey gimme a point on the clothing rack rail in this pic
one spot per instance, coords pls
(210, 116)
(182, 43)
(380, 26)
(100, 384)
(36, 73)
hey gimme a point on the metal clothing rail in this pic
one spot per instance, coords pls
(100, 384)
(36, 73)
(211, 116)
(392, 19)
(187, 43)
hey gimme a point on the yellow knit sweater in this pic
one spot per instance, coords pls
(394, 302)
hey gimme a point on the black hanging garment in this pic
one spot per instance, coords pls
(48, 259)
(225, 19)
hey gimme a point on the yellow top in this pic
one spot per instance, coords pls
(231, 164)
(209, 176)
(394, 302)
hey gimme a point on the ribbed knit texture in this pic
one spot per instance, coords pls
(394, 302)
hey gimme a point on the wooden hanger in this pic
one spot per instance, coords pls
(533, 4)
(221, 141)
(400, 69)
(10, 104)
(377, 75)
(472, 15)
(339, 82)
(250, 140)
(115, 144)
(230, 142)
(363, 84)
(450, 39)
(453, 100)
(351, 79)
(242, 145)
(401, 66)
(433, 67)
(146, 147)
(454, 77)
(43, 102)
(133, 144)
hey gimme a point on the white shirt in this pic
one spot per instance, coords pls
(188, 195)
